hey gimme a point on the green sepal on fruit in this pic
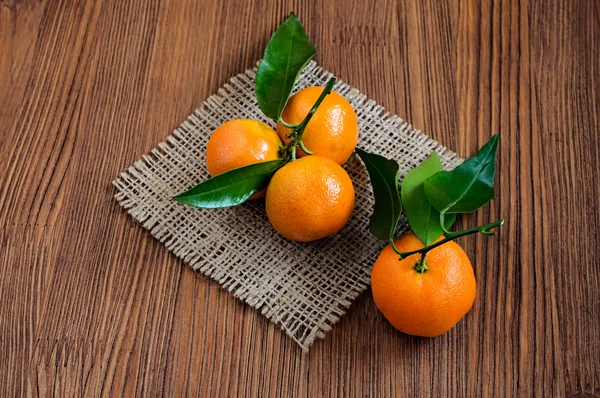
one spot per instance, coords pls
(232, 187)
(287, 53)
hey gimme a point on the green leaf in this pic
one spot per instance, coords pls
(424, 220)
(388, 207)
(467, 187)
(232, 187)
(287, 53)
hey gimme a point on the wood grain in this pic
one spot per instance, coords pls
(92, 305)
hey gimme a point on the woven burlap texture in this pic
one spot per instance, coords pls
(303, 287)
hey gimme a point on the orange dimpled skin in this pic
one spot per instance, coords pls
(333, 130)
(309, 199)
(423, 304)
(241, 142)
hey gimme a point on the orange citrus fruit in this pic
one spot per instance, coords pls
(241, 142)
(333, 130)
(309, 199)
(425, 303)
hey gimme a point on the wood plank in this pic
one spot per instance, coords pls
(92, 305)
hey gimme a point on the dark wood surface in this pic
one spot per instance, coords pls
(92, 305)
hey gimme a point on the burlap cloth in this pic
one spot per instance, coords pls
(303, 287)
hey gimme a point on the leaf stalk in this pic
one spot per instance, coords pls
(288, 125)
(289, 150)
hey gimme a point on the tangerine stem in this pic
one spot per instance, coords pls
(304, 148)
(443, 223)
(484, 229)
(326, 91)
(298, 130)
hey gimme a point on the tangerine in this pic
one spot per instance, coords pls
(427, 303)
(310, 198)
(241, 142)
(333, 130)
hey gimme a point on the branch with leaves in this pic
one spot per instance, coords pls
(432, 197)
(289, 50)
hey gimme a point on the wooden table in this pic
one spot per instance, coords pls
(92, 305)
